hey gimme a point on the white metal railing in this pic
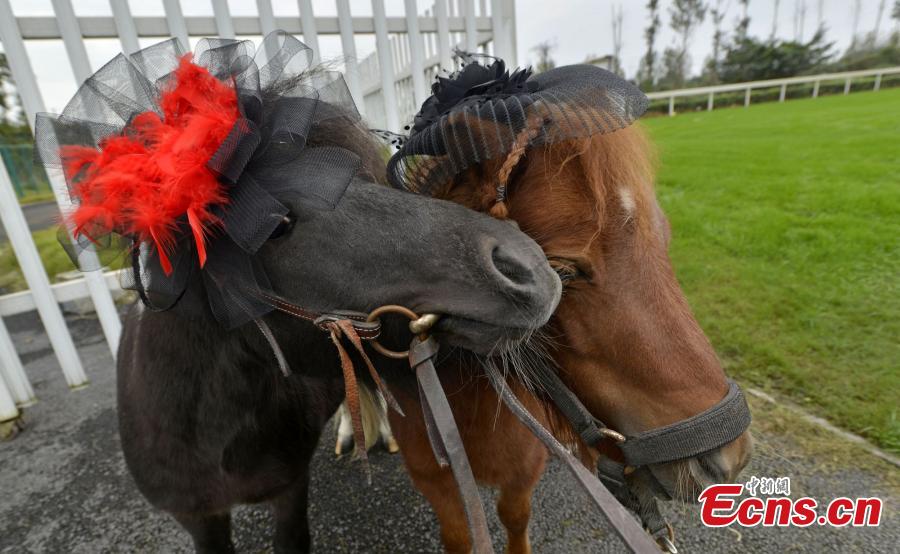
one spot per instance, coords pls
(748, 87)
(415, 59)
(420, 45)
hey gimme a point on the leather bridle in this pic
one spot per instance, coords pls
(614, 490)
(704, 432)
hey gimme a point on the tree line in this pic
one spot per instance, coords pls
(735, 55)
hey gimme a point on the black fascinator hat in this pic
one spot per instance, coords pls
(483, 112)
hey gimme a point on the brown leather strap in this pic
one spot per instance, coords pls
(436, 406)
(367, 330)
(351, 391)
(353, 335)
(628, 529)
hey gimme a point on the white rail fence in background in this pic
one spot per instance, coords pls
(747, 88)
(387, 87)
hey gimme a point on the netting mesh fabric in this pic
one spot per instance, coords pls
(280, 98)
(482, 112)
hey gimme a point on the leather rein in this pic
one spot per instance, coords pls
(614, 490)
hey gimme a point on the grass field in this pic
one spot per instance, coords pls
(786, 222)
(55, 260)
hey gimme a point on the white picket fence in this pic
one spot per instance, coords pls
(387, 87)
(414, 58)
(846, 77)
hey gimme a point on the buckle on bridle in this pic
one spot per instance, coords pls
(608, 433)
(666, 541)
(368, 330)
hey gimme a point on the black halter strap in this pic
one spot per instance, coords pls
(142, 290)
(706, 431)
(711, 429)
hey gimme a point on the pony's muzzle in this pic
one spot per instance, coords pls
(522, 274)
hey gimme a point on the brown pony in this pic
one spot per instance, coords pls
(623, 336)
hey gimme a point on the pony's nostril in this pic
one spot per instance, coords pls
(507, 265)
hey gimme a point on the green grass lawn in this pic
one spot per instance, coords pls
(786, 221)
(55, 260)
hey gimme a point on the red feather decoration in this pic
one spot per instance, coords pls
(144, 180)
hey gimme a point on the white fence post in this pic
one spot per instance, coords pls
(8, 410)
(471, 29)
(386, 63)
(71, 35)
(87, 259)
(32, 268)
(709, 102)
(877, 82)
(847, 86)
(815, 93)
(348, 46)
(671, 106)
(416, 52)
(125, 26)
(266, 16)
(500, 42)
(783, 92)
(443, 38)
(508, 33)
(11, 369)
(224, 25)
(175, 20)
(747, 98)
(308, 22)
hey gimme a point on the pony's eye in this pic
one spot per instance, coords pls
(567, 274)
(568, 270)
(284, 227)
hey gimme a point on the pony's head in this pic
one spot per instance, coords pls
(623, 336)
(490, 282)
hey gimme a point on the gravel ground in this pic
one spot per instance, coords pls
(64, 486)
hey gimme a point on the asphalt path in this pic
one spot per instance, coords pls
(40, 215)
(64, 487)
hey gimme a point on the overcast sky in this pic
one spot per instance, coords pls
(577, 28)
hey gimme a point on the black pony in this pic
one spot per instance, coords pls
(239, 182)
(207, 420)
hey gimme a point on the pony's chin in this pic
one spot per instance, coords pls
(677, 481)
(684, 480)
(475, 336)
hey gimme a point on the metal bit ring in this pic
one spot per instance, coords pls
(418, 325)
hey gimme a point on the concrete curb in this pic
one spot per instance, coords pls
(824, 424)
